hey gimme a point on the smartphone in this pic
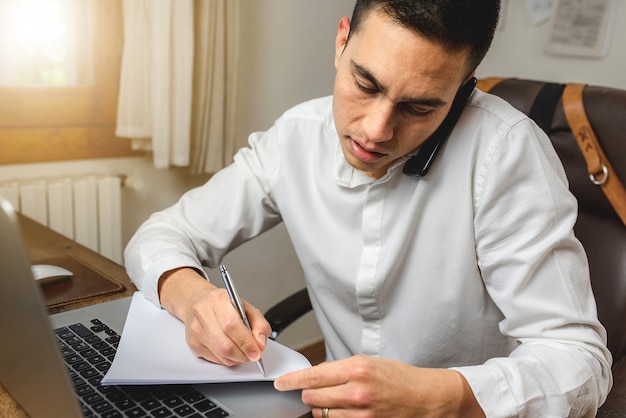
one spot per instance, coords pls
(419, 164)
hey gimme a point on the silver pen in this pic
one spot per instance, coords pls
(234, 298)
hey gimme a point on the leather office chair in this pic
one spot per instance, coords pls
(599, 228)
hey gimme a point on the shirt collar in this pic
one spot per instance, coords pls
(347, 176)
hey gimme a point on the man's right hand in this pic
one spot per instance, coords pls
(213, 328)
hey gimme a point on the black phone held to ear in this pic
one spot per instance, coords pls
(419, 164)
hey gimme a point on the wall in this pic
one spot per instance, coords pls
(517, 51)
(287, 57)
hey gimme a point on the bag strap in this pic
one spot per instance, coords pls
(601, 172)
(486, 84)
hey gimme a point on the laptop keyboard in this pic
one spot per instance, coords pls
(88, 350)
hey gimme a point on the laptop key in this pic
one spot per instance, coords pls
(183, 411)
(151, 404)
(193, 396)
(64, 333)
(217, 413)
(205, 405)
(88, 352)
(78, 381)
(107, 351)
(161, 413)
(96, 359)
(102, 407)
(113, 339)
(111, 414)
(135, 412)
(80, 366)
(73, 358)
(93, 339)
(104, 366)
(73, 339)
(93, 398)
(84, 390)
(81, 330)
(139, 393)
(89, 373)
(173, 402)
(80, 346)
(85, 410)
(98, 328)
(116, 395)
(100, 345)
(125, 404)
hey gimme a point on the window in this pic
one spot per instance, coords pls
(40, 124)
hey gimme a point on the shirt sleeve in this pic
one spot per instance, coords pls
(207, 222)
(536, 272)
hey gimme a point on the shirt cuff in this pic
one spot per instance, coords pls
(491, 390)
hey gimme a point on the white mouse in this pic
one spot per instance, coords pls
(48, 273)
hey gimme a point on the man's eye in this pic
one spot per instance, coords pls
(366, 88)
(416, 110)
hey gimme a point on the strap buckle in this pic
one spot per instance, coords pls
(603, 179)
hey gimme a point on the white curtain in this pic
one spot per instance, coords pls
(215, 81)
(161, 92)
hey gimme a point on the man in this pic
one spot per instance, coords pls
(460, 293)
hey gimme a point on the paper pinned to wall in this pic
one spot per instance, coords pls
(582, 28)
(153, 350)
(539, 10)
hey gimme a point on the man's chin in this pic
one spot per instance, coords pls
(369, 169)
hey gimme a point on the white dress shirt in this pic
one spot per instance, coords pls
(473, 267)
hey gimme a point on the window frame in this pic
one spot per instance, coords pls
(58, 124)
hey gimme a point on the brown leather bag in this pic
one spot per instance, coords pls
(601, 172)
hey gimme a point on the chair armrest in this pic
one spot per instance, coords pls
(287, 311)
(615, 405)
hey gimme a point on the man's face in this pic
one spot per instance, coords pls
(393, 88)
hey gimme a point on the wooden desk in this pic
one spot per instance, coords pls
(43, 244)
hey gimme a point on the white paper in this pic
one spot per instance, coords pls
(582, 28)
(153, 350)
(539, 10)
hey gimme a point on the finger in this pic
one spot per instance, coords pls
(217, 333)
(320, 376)
(238, 344)
(331, 413)
(261, 329)
(212, 344)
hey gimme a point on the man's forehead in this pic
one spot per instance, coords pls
(405, 64)
(370, 21)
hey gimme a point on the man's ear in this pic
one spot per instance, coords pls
(473, 74)
(342, 38)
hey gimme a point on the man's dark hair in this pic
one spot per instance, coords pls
(455, 24)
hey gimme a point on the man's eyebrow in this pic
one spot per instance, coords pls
(364, 72)
(423, 101)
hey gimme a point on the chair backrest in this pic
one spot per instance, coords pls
(600, 230)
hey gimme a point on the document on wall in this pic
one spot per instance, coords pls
(153, 350)
(582, 28)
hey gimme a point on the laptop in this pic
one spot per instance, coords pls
(42, 369)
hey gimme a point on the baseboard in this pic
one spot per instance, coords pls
(316, 352)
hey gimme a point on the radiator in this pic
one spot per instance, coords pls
(86, 208)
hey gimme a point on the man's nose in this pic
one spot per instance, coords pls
(378, 123)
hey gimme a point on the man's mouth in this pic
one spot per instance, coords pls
(363, 154)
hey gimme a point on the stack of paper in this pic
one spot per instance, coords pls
(153, 350)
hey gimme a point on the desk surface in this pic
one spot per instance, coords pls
(43, 244)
